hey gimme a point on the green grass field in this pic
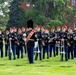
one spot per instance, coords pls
(52, 66)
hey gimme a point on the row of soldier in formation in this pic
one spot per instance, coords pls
(60, 39)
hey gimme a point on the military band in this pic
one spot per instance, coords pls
(44, 43)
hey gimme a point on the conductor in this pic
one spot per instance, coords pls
(30, 41)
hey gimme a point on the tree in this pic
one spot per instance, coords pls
(46, 12)
(3, 13)
(16, 15)
(71, 17)
(51, 9)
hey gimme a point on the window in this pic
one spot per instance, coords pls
(75, 26)
(73, 2)
(27, 4)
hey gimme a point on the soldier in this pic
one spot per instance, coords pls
(70, 43)
(15, 35)
(12, 44)
(1, 43)
(45, 43)
(30, 41)
(74, 31)
(39, 47)
(75, 45)
(6, 42)
(58, 34)
(15, 30)
(74, 42)
(52, 42)
(20, 43)
(24, 33)
(66, 28)
(63, 44)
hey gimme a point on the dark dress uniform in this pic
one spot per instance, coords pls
(75, 46)
(12, 42)
(24, 46)
(6, 43)
(20, 45)
(39, 38)
(64, 47)
(1, 44)
(70, 46)
(58, 34)
(52, 43)
(15, 35)
(45, 44)
(74, 43)
(30, 47)
(74, 31)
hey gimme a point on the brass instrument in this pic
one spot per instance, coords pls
(24, 37)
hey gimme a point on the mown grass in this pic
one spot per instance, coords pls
(52, 66)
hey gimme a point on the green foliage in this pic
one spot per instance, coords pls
(16, 15)
(71, 14)
(45, 12)
(49, 12)
(3, 13)
(54, 23)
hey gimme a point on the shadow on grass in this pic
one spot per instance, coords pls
(2, 64)
(49, 60)
(66, 66)
(19, 65)
(43, 66)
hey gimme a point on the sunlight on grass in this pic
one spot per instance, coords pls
(52, 66)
